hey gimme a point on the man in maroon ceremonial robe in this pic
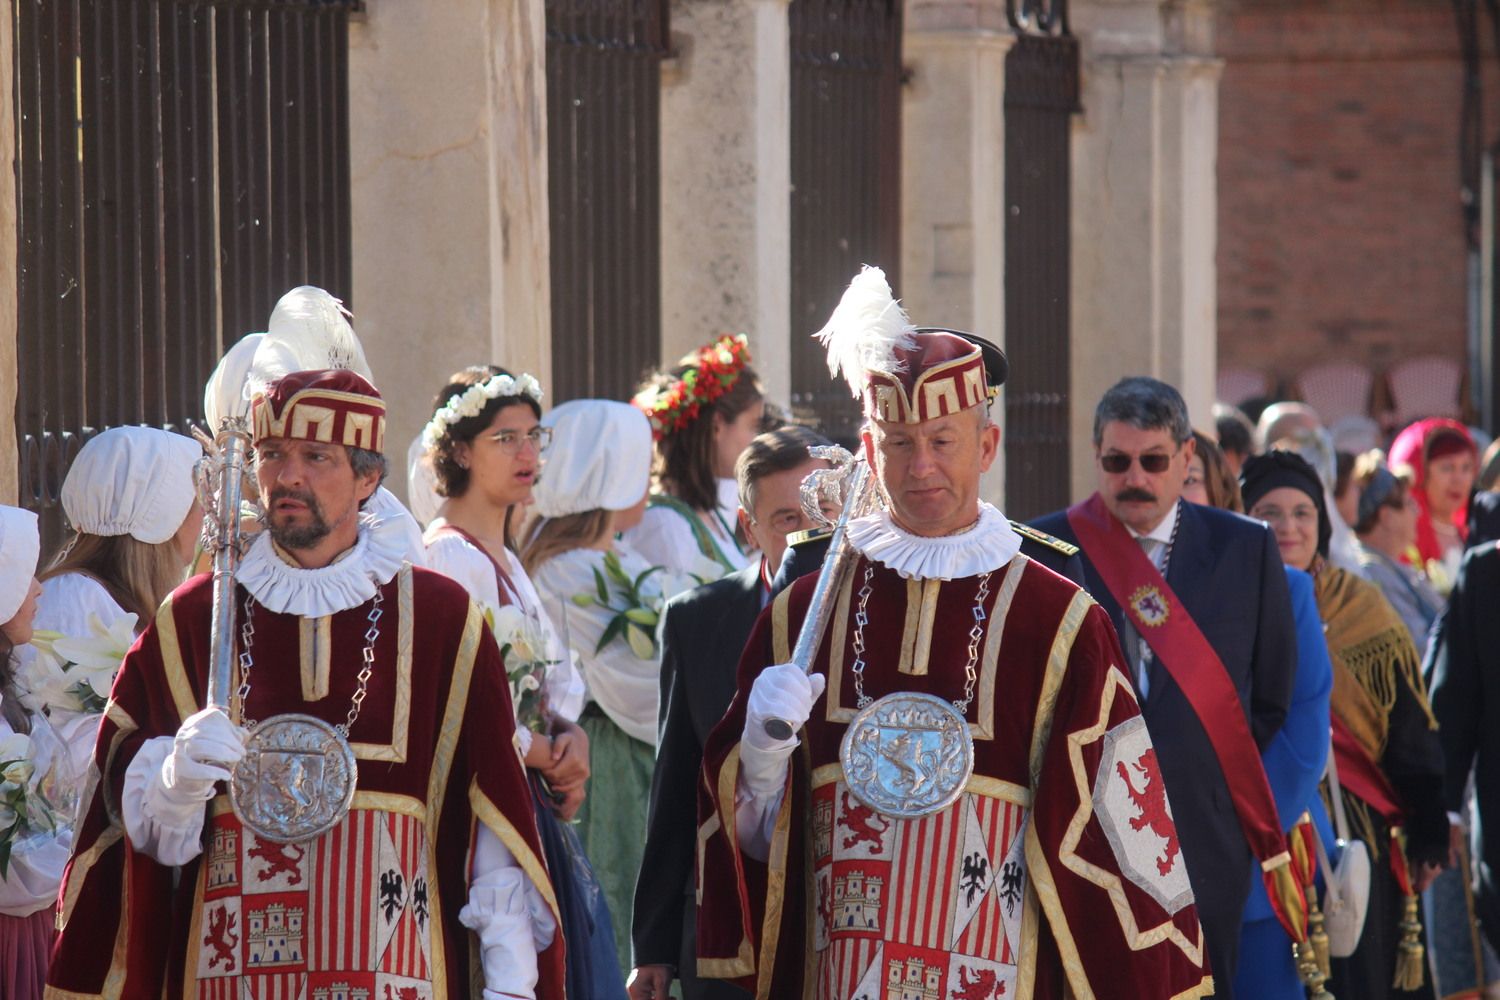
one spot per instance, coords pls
(1226, 571)
(1054, 869)
(434, 873)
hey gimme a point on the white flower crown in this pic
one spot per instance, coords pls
(472, 400)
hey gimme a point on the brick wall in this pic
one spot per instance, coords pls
(1340, 229)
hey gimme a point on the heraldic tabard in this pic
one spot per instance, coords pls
(1058, 864)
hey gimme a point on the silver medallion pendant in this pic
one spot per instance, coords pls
(295, 781)
(908, 755)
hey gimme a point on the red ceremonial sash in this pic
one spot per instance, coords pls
(1182, 649)
(1362, 776)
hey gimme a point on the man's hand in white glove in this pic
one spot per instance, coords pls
(206, 747)
(780, 692)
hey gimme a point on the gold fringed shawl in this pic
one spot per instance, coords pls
(1372, 653)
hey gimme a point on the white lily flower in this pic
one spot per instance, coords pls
(103, 648)
(510, 621)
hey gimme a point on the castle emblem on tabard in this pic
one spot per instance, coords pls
(1149, 605)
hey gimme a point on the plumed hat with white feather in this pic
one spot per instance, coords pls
(906, 373)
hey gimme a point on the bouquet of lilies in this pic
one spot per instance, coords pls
(73, 674)
(636, 605)
(523, 647)
(30, 778)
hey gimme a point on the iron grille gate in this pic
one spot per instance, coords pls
(1041, 95)
(179, 166)
(604, 190)
(846, 178)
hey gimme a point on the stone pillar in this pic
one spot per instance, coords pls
(9, 306)
(448, 153)
(953, 174)
(1144, 207)
(726, 182)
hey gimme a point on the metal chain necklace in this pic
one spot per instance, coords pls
(297, 778)
(976, 636)
(909, 754)
(247, 662)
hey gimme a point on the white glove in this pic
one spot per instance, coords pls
(206, 747)
(780, 692)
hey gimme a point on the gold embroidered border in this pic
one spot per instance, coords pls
(316, 656)
(781, 646)
(1057, 665)
(909, 627)
(1026, 961)
(984, 727)
(171, 658)
(395, 751)
(743, 963)
(391, 802)
(925, 621)
(195, 928)
(453, 717)
(834, 712)
(990, 788)
(770, 934)
(83, 864)
(531, 862)
(1135, 937)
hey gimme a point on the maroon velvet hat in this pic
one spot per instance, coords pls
(329, 405)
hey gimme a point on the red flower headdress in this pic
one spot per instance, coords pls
(715, 369)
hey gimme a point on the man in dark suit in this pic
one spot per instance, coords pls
(1462, 661)
(702, 633)
(1228, 574)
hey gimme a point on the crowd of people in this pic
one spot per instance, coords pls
(542, 728)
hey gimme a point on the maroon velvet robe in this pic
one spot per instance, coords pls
(1057, 870)
(372, 904)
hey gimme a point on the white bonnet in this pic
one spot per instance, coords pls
(20, 544)
(225, 396)
(600, 457)
(135, 481)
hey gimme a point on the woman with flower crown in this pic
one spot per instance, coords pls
(703, 413)
(483, 449)
(34, 839)
(607, 598)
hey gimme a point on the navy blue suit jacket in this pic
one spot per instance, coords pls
(1227, 571)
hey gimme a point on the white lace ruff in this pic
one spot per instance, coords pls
(984, 547)
(346, 583)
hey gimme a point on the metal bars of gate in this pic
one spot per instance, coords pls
(1041, 95)
(180, 165)
(846, 178)
(604, 179)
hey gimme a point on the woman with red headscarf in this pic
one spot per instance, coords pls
(1444, 461)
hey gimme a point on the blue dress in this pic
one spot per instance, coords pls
(1294, 763)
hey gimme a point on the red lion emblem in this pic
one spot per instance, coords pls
(221, 938)
(985, 986)
(862, 823)
(403, 993)
(278, 858)
(1151, 800)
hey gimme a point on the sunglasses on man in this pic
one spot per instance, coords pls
(1153, 462)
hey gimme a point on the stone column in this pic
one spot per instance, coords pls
(448, 153)
(1144, 207)
(953, 174)
(9, 306)
(726, 182)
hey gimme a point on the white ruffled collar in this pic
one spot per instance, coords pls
(347, 582)
(985, 546)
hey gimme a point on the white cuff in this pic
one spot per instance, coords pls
(158, 824)
(512, 920)
(758, 793)
(1454, 819)
(523, 740)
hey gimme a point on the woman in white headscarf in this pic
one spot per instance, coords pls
(130, 499)
(606, 598)
(38, 849)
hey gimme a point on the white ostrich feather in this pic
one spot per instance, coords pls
(309, 329)
(225, 396)
(866, 330)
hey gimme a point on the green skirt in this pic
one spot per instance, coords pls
(612, 821)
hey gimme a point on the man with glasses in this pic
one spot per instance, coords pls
(1200, 601)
